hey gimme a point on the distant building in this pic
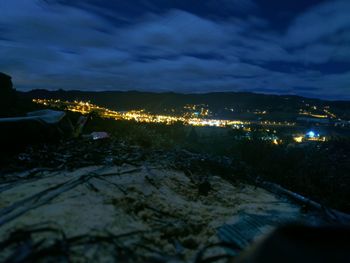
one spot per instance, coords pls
(309, 136)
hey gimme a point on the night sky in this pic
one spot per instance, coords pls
(269, 46)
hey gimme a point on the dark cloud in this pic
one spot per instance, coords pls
(319, 23)
(177, 45)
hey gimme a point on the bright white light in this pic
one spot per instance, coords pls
(311, 134)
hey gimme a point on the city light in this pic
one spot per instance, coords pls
(298, 139)
(141, 115)
(188, 117)
(311, 134)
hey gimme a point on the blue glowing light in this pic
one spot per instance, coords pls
(311, 134)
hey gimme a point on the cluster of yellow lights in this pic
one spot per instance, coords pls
(320, 116)
(277, 142)
(196, 110)
(330, 113)
(317, 139)
(300, 139)
(276, 123)
(260, 112)
(139, 116)
(327, 114)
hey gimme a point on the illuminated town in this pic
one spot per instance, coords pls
(188, 118)
(139, 115)
(194, 115)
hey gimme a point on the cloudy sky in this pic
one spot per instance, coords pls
(270, 46)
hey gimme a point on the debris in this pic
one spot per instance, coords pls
(99, 135)
(166, 216)
(38, 126)
(41, 116)
(331, 214)
(127, 203)
(80, 125)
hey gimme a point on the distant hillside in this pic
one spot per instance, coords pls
(217, 101)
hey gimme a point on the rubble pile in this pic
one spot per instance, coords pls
(104, 200)
(76, 153)
(144, 212)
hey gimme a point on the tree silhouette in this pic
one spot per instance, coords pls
(7, 94)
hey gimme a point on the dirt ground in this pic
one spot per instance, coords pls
(152, 212)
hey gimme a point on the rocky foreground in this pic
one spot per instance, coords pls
(122, 203)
